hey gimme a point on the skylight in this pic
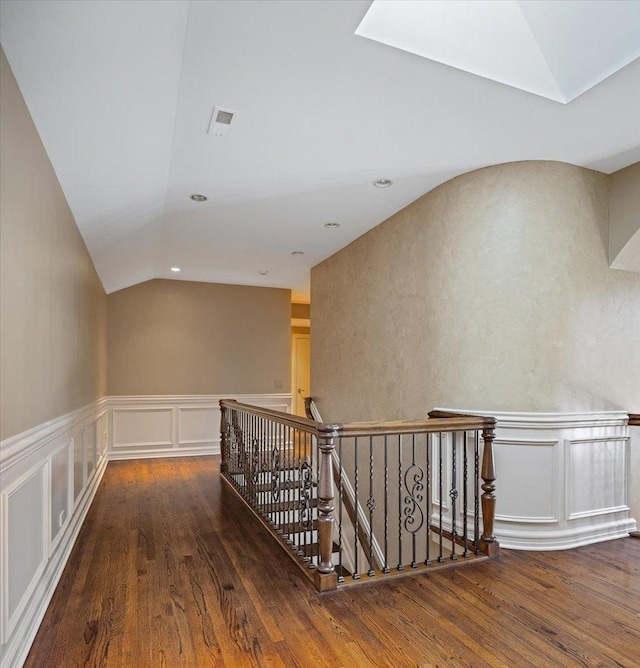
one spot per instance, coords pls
(550, 48)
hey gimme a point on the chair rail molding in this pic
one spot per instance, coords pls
(562, 478)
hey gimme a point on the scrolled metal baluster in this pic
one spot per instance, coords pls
(465, 491)
(356, 574)
(371, 505)
(400, 564)
(476, 493)
(428, 444)
(414, 517)
(440, 495)
(385, 568)
(341, 503)
(453, 494)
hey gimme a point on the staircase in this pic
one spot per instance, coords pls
(361, 501)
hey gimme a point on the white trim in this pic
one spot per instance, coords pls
(566, 539)
(596, 511)
(526, 523)
(549, 420)
(30, 453)
(171, 443)
(534, 519)
(17, 448)
(8, 620)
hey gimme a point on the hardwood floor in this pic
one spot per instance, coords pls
(170, 569)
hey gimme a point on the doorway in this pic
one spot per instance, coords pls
(300, 370)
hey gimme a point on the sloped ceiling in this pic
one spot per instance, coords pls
(122, 94)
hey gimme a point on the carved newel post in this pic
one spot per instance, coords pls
(488, 541)
(325, 576)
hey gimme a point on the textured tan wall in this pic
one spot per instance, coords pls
(180, 337)
(52, 305)
(491, 292)
(624, 207)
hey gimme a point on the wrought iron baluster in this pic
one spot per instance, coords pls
(400, 564)
(440, 495)
(428, 446)
(385, 568)
(371, 505)
(453, 493)
(465, 509)
(340, 501)
(356, 574)
(476, 493)
(413, 515)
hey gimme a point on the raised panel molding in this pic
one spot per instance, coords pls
(25, 542)
(555, 478)
(599, 465)
(141, 426)
(532, 486)
(37, 481)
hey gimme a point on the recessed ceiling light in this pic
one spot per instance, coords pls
(297, 252)
(263, 272)
(383, 183)
(175, 269)
(332, 226)
(198, 198)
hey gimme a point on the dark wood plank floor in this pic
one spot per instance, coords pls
(170, 569)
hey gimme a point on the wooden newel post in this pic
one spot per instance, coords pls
(488, 541)
(325, 576)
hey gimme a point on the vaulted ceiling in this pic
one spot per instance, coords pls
(122, 94)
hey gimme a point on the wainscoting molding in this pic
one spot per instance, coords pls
(174, 426)
(562, 479)
(49, 476)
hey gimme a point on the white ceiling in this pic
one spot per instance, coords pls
(122, 95)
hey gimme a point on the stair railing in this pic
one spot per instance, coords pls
(419, 482)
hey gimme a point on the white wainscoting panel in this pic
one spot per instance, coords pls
(142, 427)
(532, 483)
(194, 425)
(25, 536)
(562, 479)
(175, 426)
(48, 477)
(596, 475)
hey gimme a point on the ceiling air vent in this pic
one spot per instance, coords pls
(221, 120)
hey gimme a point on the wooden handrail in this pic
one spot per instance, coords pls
(634, 419)
(444, 422)
(288, 419)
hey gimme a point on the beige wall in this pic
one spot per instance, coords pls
(52, 305)
(180, 337)
(624, 208)
(491, 292)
